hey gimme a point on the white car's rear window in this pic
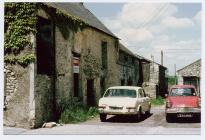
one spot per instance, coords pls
(120, 93)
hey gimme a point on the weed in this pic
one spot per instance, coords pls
(74, 112)
(158, 101)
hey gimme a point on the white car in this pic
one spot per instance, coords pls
(124, 100)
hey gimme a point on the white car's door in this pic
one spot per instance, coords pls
(146, 100)
(142, 100)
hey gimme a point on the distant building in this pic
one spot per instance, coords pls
(190, 74)
(153, 77)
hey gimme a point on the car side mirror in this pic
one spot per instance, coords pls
(166, 95)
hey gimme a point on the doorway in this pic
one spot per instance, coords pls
(45, 67)
(45, 50)
(90, 93)
(76, 84)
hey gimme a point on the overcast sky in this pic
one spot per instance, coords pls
(148, 28)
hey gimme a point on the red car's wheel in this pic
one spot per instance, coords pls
(168, 118)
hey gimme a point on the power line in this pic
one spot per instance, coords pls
(181, 49)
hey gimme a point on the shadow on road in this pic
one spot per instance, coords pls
(127, 118)
(185, 120)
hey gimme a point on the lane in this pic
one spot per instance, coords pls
(154, 124)
(157, 118)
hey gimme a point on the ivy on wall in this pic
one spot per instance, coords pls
(20, 21)
(91, 66)
(63, 20)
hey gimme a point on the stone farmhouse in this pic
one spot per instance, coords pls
(190, 74)
(76, 56)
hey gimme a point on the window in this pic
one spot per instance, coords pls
(133, 60)
(122, 82)
(104, 54)
(125, 58)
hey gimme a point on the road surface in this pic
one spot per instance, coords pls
(155, 124)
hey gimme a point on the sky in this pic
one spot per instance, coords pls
(149, 28)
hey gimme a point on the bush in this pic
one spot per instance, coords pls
(158, 101)
(74, 111)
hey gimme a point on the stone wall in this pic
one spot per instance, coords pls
(51, 90)
(64, 77)
(16, 92)
(193, 69)
(129, 73)
(91, 39)
(157, 83)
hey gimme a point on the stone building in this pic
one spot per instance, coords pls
(153, 77)
(190, 74)
(70, 62)
(158, 79)
(128, 64)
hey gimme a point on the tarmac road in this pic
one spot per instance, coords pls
(155, 124)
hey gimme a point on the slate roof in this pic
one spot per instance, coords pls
(79, 10)
(125, 49)
(143, 58)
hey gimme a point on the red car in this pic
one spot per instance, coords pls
(182, 101)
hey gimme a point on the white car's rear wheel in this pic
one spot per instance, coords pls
(103, 117)
(148, 112)
(139, 115)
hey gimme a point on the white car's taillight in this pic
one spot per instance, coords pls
(168, 104)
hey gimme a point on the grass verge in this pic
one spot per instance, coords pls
(158, 101)
(74, 112)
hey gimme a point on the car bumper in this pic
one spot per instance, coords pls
(184, 112)
(118, 112)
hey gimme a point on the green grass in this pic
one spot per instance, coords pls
(78, 115)
(158, 101)
(171, 80)
(74, 112)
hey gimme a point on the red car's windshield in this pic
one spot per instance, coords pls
(182, 92)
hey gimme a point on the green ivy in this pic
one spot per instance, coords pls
(91, 65)
(67, 22)
(23, 60)
(20, 20)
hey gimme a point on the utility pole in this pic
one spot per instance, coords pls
(152, 57)
(161, 57)
(175, 77)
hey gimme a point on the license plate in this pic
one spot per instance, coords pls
(184, 115)
(115, 108)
